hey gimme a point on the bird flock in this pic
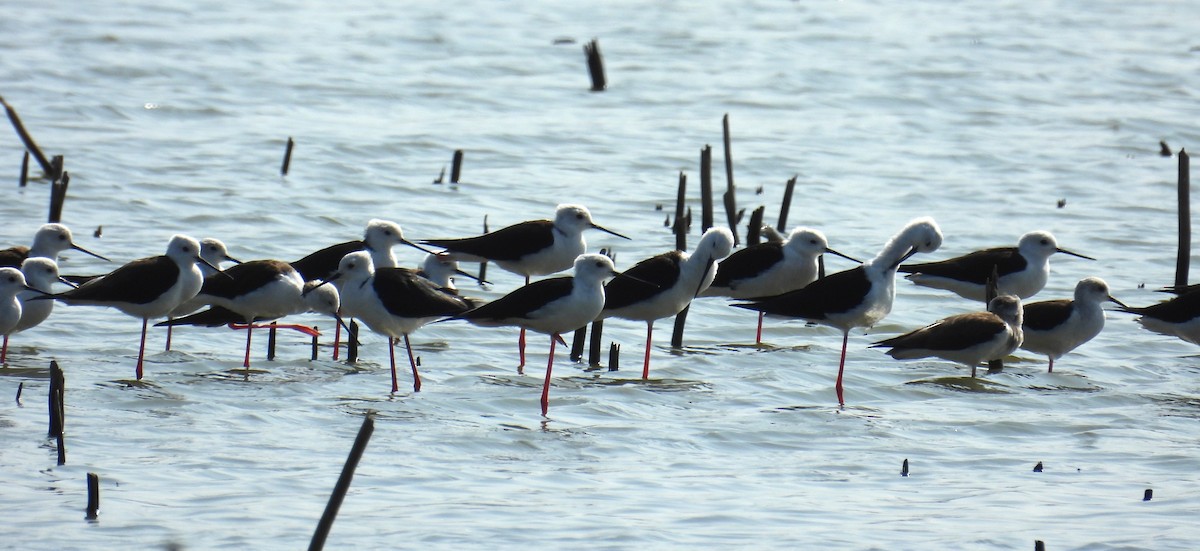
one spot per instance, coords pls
(361, 279)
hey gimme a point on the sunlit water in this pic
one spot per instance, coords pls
(173, 117)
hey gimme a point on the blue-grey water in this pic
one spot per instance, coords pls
(173, 116)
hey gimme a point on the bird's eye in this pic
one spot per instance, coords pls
(599, 264)
(62, 238)
(812, 241)
(1045, 241)
(579, 216)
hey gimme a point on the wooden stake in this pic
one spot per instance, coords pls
(456, 166)
(706, 197)
(24, 180)
(343, 483)
(271, 342)
(93, 504)
(352, 343)
(990, 291)
(577, 343)
(904, 468)
(730, 198)
(315, 345)
(287, 157)
(58, 196)
(681, 224)
(787, 204)
(677, 333)
(30, 145)
(1185, 221)
(594, 342)
(614, 356)
(595, 64)
(754, 229)
(483, 265)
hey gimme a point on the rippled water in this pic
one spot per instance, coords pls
(173, 117)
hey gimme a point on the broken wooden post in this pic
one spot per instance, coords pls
(352, 343)
(58, 196)
(24, 180)
(595, 65)
(271, 341)
(1185, 221)
(680, 222)
(594, 342)
(614, 357)
(343, 484)
(730, 198)
(93, 504)
(287, 157)
(315, 345)
(577, 343)
(754, 229)
(706, 198)
(456, 166)
(787, 204)
(30, 145)
(991, 290)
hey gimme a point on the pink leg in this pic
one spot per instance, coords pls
(169, 328)
(758, 334)
(549, 367)
(646, 362)
(841, 368)
(392, 351)
(142, 348)
(413, 363)
(246, 362)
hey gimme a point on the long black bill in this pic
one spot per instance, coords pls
(1064, 251)
(850, 258)
(906, 256)
(596, 226)
(83, 250)
(323, 281)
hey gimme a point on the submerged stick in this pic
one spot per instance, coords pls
(20, 388)
(24, 180)
(904, 468)
(595, 63)
(58, 196)
(754, 229)
(1185, 221)
(352, 343)
(271, 342)
(456, 166)
(706, 197)
(93, 504)
(287, 157)
(343, 484)
(57, 382)
(730, 196)
(30, 145)
(577, 343)
(314, 345)
(787, 204)
(483, 265)
(614, 357)
(594, 342)
(991, 289)
(681, 224)
(1148, 494)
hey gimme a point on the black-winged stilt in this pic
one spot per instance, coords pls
(969, 339)
(393, 302)
(771, 268)
(858, 297)
(665, 284)
(1023, 269)
(551, 306)
(1056, 327)
(534, 247)
(145, 288)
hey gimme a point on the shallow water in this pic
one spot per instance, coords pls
(173, 117)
